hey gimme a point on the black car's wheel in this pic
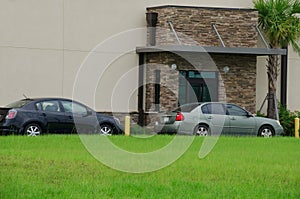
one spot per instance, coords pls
(202, 130)
(106, 129)
(32, 129)
(266, 131)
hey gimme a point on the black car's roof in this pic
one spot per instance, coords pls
(37, 99)
(48, 98)
(26, 101)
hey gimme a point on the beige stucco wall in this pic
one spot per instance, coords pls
(43, 44)
(293, 97)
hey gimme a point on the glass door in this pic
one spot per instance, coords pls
(197, 86)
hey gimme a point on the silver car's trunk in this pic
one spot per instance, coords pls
(167, 118)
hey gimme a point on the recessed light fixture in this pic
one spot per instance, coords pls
(173, 66)
(226, 69)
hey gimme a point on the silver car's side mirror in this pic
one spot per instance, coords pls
(250, 114)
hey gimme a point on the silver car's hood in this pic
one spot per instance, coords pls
(264, 120)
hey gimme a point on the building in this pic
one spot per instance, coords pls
(93, 51)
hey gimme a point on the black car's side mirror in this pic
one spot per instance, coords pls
(88, 113)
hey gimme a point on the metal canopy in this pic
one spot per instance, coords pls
(211, 50)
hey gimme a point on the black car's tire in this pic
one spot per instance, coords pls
(202, 130)
(266, 131)
(106, 129)
(32, 129)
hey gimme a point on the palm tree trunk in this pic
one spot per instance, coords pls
(272, 71)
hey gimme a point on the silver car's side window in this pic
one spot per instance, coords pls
(205, 109)
(217, 109)
(235, 110)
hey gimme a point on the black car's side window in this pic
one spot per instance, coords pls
(72, 107)
(217, 109)
(235, 110)
(38, 106)
(49, 106)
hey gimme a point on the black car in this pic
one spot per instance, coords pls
(54, 115)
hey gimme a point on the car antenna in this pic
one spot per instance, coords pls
(25, 96)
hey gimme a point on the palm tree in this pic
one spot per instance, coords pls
(279, 23)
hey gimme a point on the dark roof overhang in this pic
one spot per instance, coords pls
(211, 50)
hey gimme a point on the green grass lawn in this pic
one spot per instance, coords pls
(59, 166)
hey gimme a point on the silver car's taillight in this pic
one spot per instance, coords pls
(179, 117)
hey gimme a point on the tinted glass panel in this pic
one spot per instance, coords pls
(217, 109)
(18, 104)
(186, 108)
(49, 106)
(197, 86)
(72, 107)
(206, 94)
(235, 110)
(202, 75)
(205, 109)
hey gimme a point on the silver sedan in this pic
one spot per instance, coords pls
(215, 118)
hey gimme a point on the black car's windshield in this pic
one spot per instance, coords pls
(18, 104)
(187, 107)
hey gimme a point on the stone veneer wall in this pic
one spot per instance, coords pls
(168, 81)
(239, 83)
(237, 86)
(193, 26)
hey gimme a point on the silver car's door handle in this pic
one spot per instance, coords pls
(210, 117)
(232, 118)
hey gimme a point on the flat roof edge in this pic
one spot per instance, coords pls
(200, 7)
(212, 50)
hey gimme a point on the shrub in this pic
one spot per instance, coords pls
(286, 118)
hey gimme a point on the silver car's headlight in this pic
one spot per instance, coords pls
(278, 122)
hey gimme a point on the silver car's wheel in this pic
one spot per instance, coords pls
(202, 130)
(32, 130)
(106, 129)
(266, 131)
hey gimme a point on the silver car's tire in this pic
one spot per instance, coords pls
(202, 130)
(106, 129)
(266, 131)
(32, 129)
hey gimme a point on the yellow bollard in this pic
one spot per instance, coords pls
(127, 125)
(296, 127)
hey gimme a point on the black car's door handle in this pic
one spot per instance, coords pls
(44, 114)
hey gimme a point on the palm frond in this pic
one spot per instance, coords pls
(296, 7)
(296, 47)
(278, 21)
